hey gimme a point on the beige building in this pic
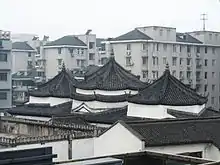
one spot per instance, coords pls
(192, 57)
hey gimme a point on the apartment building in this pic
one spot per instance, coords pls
(75, 51)
(23, 57)
(192, 57)
(5, 70)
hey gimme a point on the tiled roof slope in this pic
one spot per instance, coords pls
(185, 37)
(67, 40)
(111, 77)
(133, 35)
(62, 85)
(168, 90)
(179, 131)
(42, 110)
(21, 46)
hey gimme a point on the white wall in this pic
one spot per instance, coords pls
(82, 148)
(117, 140)
(209, 151)
(98, 104)
(102, 92)
(48, 100)
(33, 118)
(59, 147)
(158, 111)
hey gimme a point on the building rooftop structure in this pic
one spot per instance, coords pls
(22, 46)
(168, 90)
(111, 77)
(185, 37)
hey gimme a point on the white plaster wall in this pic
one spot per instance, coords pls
(209, 151)
(117, 140)
(98, 104)
(159, 111)
(82, 148)
(48, 100)
(33, 118)
(102, 92)
(59, 147)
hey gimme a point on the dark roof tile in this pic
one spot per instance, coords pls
(168, 90)
(185, 37)
(67, 40)
(21, 46)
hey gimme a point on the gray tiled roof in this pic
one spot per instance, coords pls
(168, 90)
(185, 37)
(21, 46)
(133, 35)
(67, 40)
(177, 131)
(98, 41)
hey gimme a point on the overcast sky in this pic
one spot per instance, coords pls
(107, 18)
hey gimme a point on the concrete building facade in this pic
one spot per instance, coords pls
(5, 70)
(192, 57)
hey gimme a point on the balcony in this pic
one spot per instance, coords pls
(5, 35)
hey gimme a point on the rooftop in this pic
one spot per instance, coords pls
(167, 90)
(62, 85)
(69, 40)
(111, 77)
(21, 46)
(185, 37)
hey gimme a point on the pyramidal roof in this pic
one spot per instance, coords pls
(62, 85)
(111, 77)
(168, 90)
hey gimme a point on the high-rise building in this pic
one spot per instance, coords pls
(5, 70)
(193, 57)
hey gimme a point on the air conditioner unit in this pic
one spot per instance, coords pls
(190, 81)
(128, 53)
(197, 54)
(189, 54)
(188, 68)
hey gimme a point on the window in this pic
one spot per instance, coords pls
(128, 61)
(181, 75)
(155, 74)
(91, 45)
(78, 51)
(71, 50)
(128, 46)
(3, 96)
(206, 62)
(29, 64)
(213, 62)
(158, 48)
(59, 50)
(145, 74)
(213, 74)
(29, 54)
(0, 43)
(3, 57)
(164, 60)
(188, 49)
(3, 76)
(206, 50)
(180, 48)
(82, 51)
(188, 61)
(213, 88)
(210, 36)
(213, 50)
(155, 61)
(174, 73)
(165, 47)
(78, 62)
(181, 61)
(91, 56)
(144, 60)
(174, 48)
(161, 32)
(197, 49)
(174, 59)
(59, 61)
(206, 75)
(82, 63)
(144, 46)
(188, 74)
(213, 100)
(205, 87)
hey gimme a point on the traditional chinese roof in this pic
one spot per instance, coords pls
(42, 110)
(168, 90)
(177, 131)
(62, 85)
(111, 77)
